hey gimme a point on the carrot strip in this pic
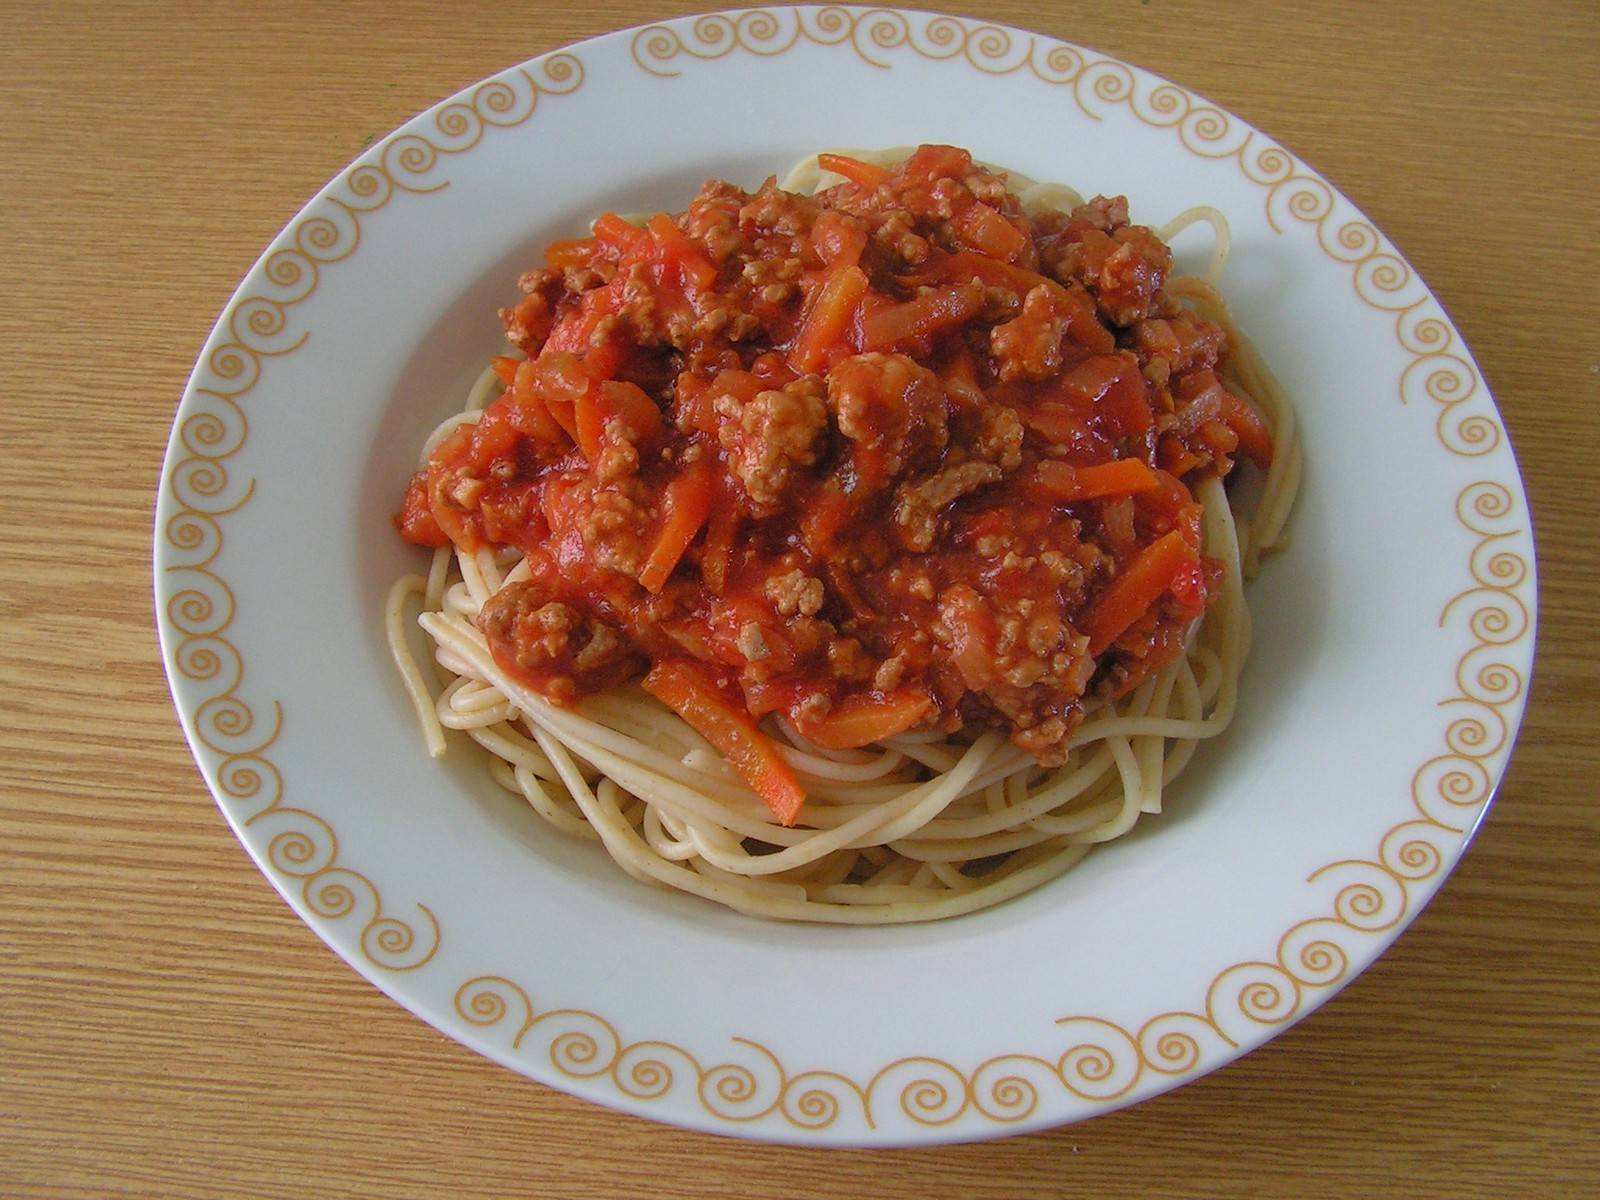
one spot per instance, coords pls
(864, 174)
(923, 316)
(695, 696)
(1059, 425)
(569, 252)
(1254, 439)
(1173, 457)
(968, 264)
(588, 421)
(603, 361)
(622, 235)
(607, 398)
(936, 162)
(666, 233)
(719, 547)
(685, 506)
(525, 408)
(838, 239)
(862, 719)
(987, 230)
(1123, 477)
(828, 318)
(1136, 587)
(561, 412)
(526, 413)
(676, 248)
(640, 416)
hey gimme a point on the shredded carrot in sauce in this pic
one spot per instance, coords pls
(897, 456)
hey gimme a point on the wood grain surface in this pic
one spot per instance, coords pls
(169, 1028)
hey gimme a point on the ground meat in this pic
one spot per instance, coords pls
(638, 307)
(919, 505)
(551, 644)
(778, 211)
(1000, 437)
(1020, 660)
(454, 493)
(809, 636)
(1103, 213)
(546, 626)
(773, 281)
(601, 647)
(528, 324)
(771, 436)
(1029, 347)
(713, 218)
(895, 234)
(849, 661)
(946, 194)
(1123, 266)
(991, 189)
(1132, 275)
(613, 519)
(795, 592)
(1183, 341)
(814, 707)
(1044, 739)
(751, 644)
(893, 409)
(619, 457)
(890, 672)
(761, 271)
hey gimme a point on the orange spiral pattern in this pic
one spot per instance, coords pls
(200, 607)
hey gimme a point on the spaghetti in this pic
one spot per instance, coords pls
(897, 796)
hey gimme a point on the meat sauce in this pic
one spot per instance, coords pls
(895, 456)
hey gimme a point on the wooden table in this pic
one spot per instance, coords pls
(169, 1028)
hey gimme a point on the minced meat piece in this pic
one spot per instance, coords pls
(771, 436)
(918, 505)
(895, 411)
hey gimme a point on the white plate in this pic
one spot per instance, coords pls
(1392, 650)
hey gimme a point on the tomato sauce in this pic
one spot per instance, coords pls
(895, 456)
